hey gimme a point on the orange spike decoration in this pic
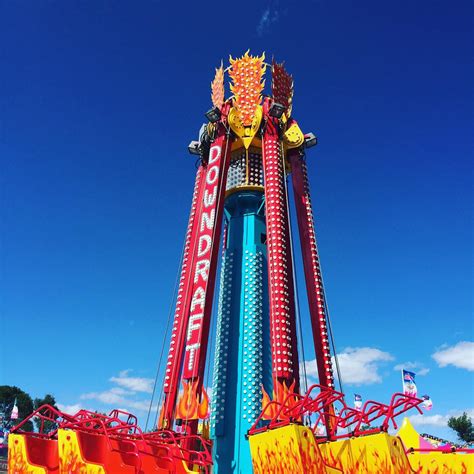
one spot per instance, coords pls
(217, 88)
(282, 86)
(189, 407)
(246, 74)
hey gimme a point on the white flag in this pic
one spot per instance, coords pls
(14, 415)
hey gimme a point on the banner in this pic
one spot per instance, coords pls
(357, 401)
(14, 415)
(427, 403)
(409, 385)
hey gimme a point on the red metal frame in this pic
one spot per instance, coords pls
(295, 407)
(190, 332)
(210, 233)
(281, 294)
(318, 399)
(312, 269)
(44, 413)
(183, 302)
(163, 444)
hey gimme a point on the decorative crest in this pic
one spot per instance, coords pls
(246, 73)
(282, 86)
(217, 88)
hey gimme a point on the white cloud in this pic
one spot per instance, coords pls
(269, 17)
(121, 395)
(460, 355)
(358, 365)
(110, 397)
(438, 420)
(135, 384)
(70, 409)
(417, 367)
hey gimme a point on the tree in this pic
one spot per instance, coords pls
(8, 394)
(463, 427)
(39, 402)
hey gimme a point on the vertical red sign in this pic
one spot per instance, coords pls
(204, 265)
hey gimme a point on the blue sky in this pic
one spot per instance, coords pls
(98, 101)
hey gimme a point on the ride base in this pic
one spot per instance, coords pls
(286, 438)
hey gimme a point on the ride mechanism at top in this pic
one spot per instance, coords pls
(263, 417)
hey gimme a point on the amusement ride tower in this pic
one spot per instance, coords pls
(247, 149)
(260, 420)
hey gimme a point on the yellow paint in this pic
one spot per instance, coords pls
(379, 453)
(18, 462)
(293, 137)
(408, 434)
(71, 460)
(246, 133)
(439, 463)
(291, 449)
(433, 462)
(243, 188)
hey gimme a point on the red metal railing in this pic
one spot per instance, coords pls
(444, 450)
(44, 413)
(120, 427)
(299, 409)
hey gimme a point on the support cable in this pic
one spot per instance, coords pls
(326, 308)
(295, 283)
(158, 368)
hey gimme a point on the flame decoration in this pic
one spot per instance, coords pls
(217, 88)
(188, 406)
(246, 73)
(282, 396)
(282, 86)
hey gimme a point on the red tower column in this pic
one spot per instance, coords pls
(312, 270)
(281, 295)
(205, 265)
(189, 338)
(183, 301)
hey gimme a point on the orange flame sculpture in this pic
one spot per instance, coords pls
(217, 88)
(282, 86)
(246, 74)
(188, 406)
(282, 396)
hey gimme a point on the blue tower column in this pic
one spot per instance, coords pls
(242, 357)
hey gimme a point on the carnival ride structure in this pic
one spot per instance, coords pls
(263, 417)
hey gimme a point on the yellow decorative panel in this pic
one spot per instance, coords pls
(288, 450)
(17, 458)
(379, 453)
(293, 136)
(71, 460)
(439, 463)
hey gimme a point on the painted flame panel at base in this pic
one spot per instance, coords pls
(71, 456)
(86, 453)
(385, 454)
(380, 453)
(437, 463)
(19, 462)
(288, 450)
(293, 449)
